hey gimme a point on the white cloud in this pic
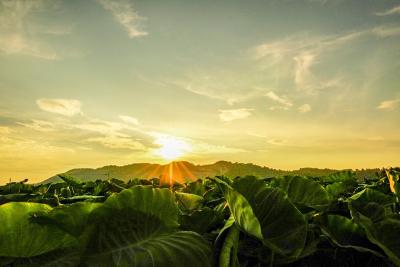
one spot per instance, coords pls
(304, 61)
(297, 54)
(20, 34)
(285, 103)
(386, 31)
(392, 11)
(226, 86)
(39, 125)
(129, 119)
(304, 108)
(234, 114)
(66, 107)
(388, 104)
(125, 14)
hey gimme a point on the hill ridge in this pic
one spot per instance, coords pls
(186, 171)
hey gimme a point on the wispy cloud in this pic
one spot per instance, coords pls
(66, 107)
(125, 14)
(234, 114)
(388, 104)
(282, 100)
(392, 11)
(107, 128)
(225, 86)
(129, 119)
(304, 108)
(324, 2)
(39, 125)
(117, 142)
(276, 142)
(386, 31)
(20, 34)
(300, 53)
(304, 61)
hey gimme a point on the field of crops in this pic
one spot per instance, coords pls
(334, 220)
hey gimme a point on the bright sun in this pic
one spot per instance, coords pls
(171, 147)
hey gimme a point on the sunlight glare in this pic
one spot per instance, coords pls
(171, 147)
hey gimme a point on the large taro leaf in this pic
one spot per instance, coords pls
(345, 233)
(340, 183)
(305, 192)
(188, 201)
(370, 210)
(138, 227)
(70, 218)
(371, 204)
(22, 238)
(267, 213)
(311, 246)
(201, 221)
(57, 258)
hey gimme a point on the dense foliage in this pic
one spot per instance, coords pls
(334, 220)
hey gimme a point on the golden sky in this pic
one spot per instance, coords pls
(285, 84)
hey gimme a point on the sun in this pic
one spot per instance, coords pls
(171, 147)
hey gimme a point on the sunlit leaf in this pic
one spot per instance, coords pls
(20, 237)
(267, 213)
(305, 192)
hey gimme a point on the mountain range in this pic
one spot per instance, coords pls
(183, 171)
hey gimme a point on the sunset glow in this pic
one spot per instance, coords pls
(171, 147)
(285, 84)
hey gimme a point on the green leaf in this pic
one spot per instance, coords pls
(228, 254)
(70, 218)
(70, 180)
(267, 213)
(20, 237)
(305, 192)
(138, 227)
(201, 221)
(371, 210)
(189, 201)
(345, 233)
(58, 258)
(340, 183)
(370, 203)
(196, 187)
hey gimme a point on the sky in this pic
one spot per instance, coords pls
(284, 84)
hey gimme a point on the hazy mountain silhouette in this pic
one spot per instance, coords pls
(186, 171)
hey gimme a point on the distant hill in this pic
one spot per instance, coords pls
(185, 171)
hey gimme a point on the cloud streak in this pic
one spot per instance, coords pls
(39, 125)
(304, 108)
(129, 119)
(392, 11)
(125, 14)
(228, 115)
(21, 34)
(285, 103)
(65, 107)
(116, 142)
(388, 104)
(300, 53)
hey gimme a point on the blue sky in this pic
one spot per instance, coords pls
(285, 84)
